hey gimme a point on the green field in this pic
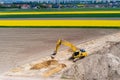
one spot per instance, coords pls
(115, 15)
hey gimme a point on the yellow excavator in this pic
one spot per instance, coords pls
(77, 53)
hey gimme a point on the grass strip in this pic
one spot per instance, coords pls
(60, 15)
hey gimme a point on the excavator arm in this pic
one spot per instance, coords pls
(66, 43)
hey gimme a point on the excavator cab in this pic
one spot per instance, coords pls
(80, 54)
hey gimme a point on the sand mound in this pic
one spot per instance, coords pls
(103, 64)
(44, 64)
(54, 70)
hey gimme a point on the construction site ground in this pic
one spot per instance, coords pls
(25, 53)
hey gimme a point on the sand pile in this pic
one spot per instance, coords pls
(103, 64)
(44, 64)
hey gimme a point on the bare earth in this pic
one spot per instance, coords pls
(22, 45)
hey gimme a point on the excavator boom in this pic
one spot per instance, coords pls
(66, 43)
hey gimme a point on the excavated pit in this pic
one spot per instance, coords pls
(103, 64)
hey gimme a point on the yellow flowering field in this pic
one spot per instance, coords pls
(98, 23)
(68, 12)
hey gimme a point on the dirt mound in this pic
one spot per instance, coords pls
(103, 64)
(54, 70)
(44, 64)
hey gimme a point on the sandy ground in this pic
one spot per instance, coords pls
(22, 45)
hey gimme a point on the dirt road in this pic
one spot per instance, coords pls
(22, 45)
